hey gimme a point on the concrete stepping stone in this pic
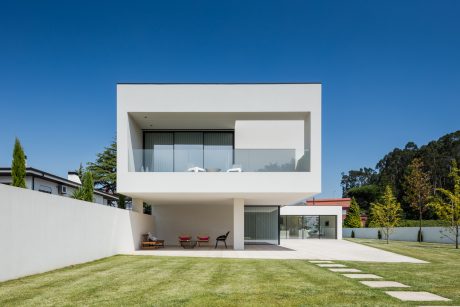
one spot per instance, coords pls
(345, 270)
(416, 296)
(384, 284)
(362, 276)
(331, 265)
(321, 261)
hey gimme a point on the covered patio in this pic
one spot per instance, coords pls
(289, 249)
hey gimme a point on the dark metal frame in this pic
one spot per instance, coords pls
(319, 226)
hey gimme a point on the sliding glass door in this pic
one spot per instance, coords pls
(261, 225)
(308, 227)
(179, 151)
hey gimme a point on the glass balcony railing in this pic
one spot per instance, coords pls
(219, 160)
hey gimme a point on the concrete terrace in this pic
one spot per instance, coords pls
(339, 250)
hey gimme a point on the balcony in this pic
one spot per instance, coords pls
(218, 160)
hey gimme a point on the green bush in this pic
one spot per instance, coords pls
(425, 223)
(379, 235)
(352, 233)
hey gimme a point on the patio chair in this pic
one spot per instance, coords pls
(196, 169)
(202, 239)
(148, 243)
(236, 168)
(222, 238)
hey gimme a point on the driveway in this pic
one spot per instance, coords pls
(291, 249)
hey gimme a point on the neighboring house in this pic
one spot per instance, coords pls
(342, 202)
(212, 158)
(48, 183)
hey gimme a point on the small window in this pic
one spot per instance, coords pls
(45, 189)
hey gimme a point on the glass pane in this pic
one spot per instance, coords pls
(158, 156)
(261, 225)
(294, 227)
(311, 227)
(266, 160)
(188, 150)
(218, 151)
(328, 227)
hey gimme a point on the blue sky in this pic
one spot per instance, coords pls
(390, 69)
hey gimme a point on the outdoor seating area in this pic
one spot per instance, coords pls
(150, 242)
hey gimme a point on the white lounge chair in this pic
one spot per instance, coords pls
(236, 168)
(196, 169)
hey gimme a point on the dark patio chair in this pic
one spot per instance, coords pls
(222, 238)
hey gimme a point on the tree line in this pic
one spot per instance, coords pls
(417, 183)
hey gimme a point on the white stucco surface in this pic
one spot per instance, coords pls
(41, 232)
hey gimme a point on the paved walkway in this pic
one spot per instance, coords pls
(291, 249)
(369, 280)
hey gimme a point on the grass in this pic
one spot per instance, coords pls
(440, 276)
(159, 281)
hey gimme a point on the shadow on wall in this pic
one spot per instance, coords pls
(140, 224)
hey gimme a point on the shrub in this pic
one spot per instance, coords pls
(379, 235)
(352, 233)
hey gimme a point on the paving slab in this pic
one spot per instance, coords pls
(416, 296)
(384, 284)
(331, 265)
(362, 276)
(345, 270)
(327, 249)
(320, 261)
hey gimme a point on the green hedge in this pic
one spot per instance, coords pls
(425, 223)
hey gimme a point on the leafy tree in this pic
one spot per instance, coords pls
(104, 169)
(447, 205)
(386, 213)
(353, 218)
(86, 191)
(417, 189)
(364, 195)
(80, 171)
(18, 166)
(357, 178)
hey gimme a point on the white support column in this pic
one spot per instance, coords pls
(238, 224)
(138, 205)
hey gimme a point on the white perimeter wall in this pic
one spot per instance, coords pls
(430, 234)
(41, 232)
(174, 220)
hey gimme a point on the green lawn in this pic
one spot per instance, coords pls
(147, 280)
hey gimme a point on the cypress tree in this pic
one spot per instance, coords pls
(88, 186)
(353, 218)
(18, 166)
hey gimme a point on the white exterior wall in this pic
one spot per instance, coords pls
(269, 103)
(171, 221)
(270, 134)
(430, 234)
(41, 232)
(316, 210)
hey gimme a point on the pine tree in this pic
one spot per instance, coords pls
(104, 169)
(18, 166)
(353, 218)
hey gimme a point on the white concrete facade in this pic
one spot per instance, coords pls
(262, 117)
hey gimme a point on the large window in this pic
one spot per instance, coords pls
(178, 151)
(308, 227)
(261, 225)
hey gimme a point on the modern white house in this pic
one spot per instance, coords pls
(212, 158)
